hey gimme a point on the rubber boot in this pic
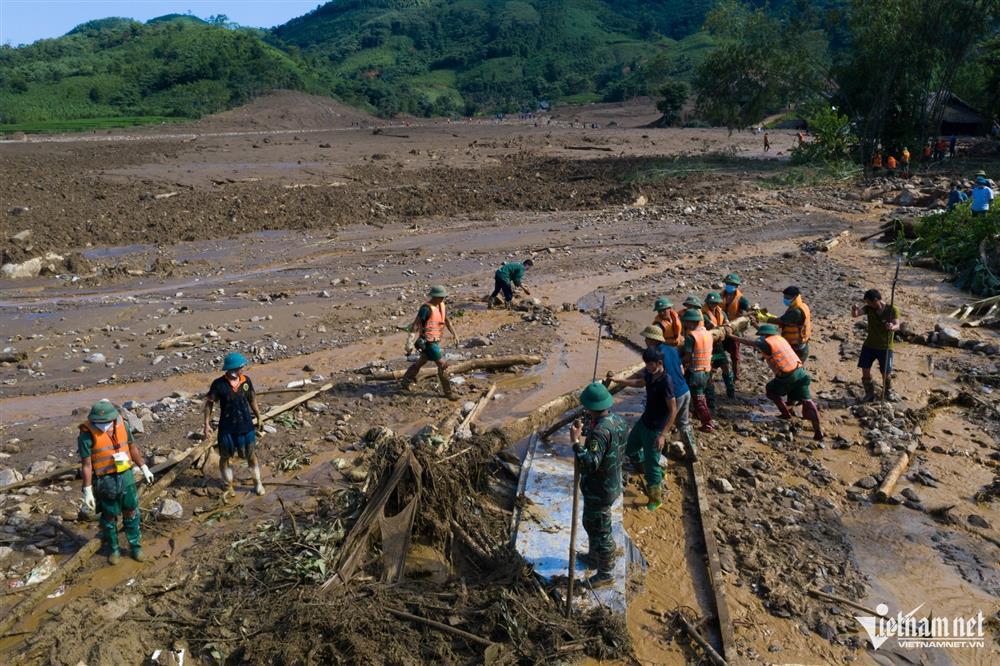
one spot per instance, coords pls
(589, 560)
(600, 579)
(655, 497)
(258, 485)
(109, 531)
(133, 533)
(780, 404)
(229, 489)
(730, 380)
(411, 376)
(687, 436)
(869, 390)
(889, 394)
(811, 412)
(704, 414)
(446, 384)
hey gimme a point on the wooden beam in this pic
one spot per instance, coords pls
(292, 404)
(714, 569)
(496, 363)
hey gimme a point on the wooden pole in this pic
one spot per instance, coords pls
(819, 594)
(403, 615)
(497, 363)
(572, 538)
(884, 491)
(292, 404)
(710, 652)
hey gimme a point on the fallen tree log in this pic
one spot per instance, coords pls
(182, 340)
(292, 404)
(43, 589)
(550, 412)
(497, 363)
(464, 429)
(884, 491)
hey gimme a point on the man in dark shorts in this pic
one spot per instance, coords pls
(426, 334)
(648, 436)
(790, 381)
(236, 397)
(507, 277)
(883, 321)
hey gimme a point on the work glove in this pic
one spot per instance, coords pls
(146, 474)
(410, 341)
(88, 498)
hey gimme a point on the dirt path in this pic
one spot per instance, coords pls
(323, 295)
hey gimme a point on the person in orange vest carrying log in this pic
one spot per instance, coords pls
(107, 457)
(669, 322)
(697, 358)
(237, 435)
(735, 304)
(426, 333)
(795, 324)
(715, 317)
(790, 379)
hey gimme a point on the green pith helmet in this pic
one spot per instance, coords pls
(768, 329)
(713, 298)
(438, 291)
(102, 411)
(692, 315)
(662, 303)
(733, 278)
(692, 301)
(596, 397)
(233, 361)
(653, 332)
(980, 173)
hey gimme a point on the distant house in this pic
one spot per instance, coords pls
(957, 115)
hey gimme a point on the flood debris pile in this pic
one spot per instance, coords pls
(414, 564)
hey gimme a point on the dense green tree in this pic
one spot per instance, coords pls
(674, 95)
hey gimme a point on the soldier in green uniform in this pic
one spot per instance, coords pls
(107, 455)
(599, 458)
(506, 278)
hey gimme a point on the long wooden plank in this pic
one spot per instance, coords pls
(714, 569)
(495, 363)
(292, 404)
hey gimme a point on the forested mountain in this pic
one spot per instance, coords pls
(416, 56)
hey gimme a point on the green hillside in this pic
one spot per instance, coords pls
(471, 56)
(423, 57)
(176, 66)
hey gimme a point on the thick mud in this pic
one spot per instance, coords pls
(310, 260)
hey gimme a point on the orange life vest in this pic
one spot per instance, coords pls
(732, 305)
(891, 162)
(434, 326)
(716, 315)
(701, 355)
(671, 327)
(906, 157)
(798, 334)
(109, 452)
(877, 161)
(782, 359)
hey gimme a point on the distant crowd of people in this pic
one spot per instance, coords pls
(933, 151)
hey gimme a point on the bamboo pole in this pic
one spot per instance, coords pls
(884, 491)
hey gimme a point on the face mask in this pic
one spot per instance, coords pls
(730, 288)
(104, 427)
(787, 301)
(233, 374)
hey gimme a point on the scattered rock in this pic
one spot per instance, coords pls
(5, 552)
(722, 485)
(910, 494)
(96, 357)
(40, 467)
(478, 342)
(867, 482)
(947, 335)
(133, 421)
(974, 519)
(9, 476)
(268, 428)
(170, 509)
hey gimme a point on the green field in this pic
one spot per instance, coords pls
(84, 124)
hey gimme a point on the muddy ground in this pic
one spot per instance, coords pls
(308, 250)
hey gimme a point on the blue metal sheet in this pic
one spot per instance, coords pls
(543, 524)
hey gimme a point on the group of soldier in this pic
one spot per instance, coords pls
(683, 351)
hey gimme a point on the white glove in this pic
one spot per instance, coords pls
(146, 474)
(410, 340)
(88, 498)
